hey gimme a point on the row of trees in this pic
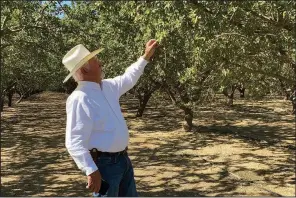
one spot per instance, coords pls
(206, 47)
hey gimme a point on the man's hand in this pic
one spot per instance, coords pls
(94, 181)
(151, 45)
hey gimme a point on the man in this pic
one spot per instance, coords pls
(95, 121)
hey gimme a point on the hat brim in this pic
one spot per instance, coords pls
(82, 62)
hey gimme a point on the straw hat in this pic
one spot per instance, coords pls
(76, 58)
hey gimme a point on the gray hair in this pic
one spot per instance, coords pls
(78, 76)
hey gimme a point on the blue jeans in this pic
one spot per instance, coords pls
(117, 175)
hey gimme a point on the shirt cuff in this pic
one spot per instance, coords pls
(90, 170)
(142, 61)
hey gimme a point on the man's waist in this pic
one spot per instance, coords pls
(111, 142)
(95, 153)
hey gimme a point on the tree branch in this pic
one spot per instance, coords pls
(63, 9)
(258, 71)
(20, 28)
(4, 21)
(200, 5)
(286, 26)
(4, 46)
(231, 33)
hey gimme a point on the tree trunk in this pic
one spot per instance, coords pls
(20, 99)
(293, 92)
(9, 95)
(229, 96)
(1, 104)
(142, 103)
(288, 95)
(143, 100)
(230, 101)
(241, 92)
(188, 118)
(285, 90)
(293, 100)
(9, 92)
(28, 93)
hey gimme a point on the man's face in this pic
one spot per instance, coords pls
(96, 67)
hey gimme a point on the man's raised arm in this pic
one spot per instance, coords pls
(132, 74)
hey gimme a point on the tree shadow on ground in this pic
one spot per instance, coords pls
(35, 162)
(195, 169)
(261, 135)
(34, 157)
(274, 137)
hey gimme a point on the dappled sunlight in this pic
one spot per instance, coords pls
(234, 152)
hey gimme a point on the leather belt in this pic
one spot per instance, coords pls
(95, 153)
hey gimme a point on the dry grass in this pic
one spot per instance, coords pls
(247, 150)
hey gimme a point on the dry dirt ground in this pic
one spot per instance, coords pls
(247, 150)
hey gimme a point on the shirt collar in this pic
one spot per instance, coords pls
(89, 84)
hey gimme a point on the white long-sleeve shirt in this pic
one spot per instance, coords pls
(94, 118)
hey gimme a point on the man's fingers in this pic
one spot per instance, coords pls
(151, 42)
(96, 189)
(150, 48)
(154, 45)
(90, 187)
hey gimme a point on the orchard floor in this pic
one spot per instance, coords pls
(246, 150)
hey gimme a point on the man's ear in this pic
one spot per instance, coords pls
(85, 69)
